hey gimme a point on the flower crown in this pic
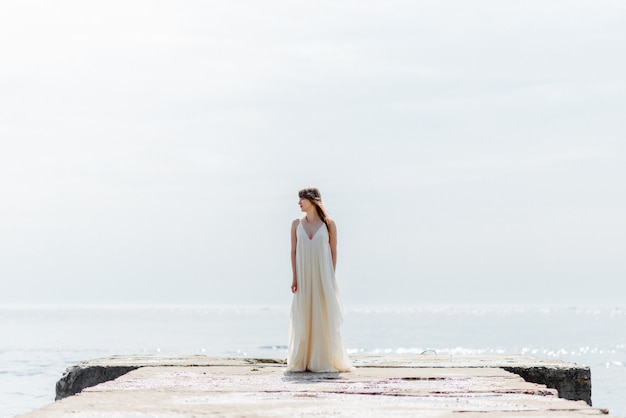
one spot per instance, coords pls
(312, 196)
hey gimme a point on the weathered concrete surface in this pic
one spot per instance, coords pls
(571, 380)
(425, 386)
(92, 372)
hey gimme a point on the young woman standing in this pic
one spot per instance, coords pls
(314, 335)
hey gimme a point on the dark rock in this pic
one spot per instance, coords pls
(77, 378)
(572, 383)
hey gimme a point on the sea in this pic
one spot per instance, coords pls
(37, 343)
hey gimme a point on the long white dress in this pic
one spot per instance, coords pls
(314, 336)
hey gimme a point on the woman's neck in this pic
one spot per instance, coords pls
(311, 215)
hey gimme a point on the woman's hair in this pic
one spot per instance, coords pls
(314, 196)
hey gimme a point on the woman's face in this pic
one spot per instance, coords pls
(305, 204)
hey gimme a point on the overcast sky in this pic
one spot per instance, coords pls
(470, 152)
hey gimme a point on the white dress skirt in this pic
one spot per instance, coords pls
(314, 333)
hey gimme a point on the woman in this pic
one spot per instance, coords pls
(314, 339)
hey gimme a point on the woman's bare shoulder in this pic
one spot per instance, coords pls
(295, 223)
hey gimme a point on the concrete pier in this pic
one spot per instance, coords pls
(411, 385)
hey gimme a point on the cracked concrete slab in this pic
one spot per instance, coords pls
(424, 386)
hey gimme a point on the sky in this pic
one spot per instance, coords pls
(469, 152)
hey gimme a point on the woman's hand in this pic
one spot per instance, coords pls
(294, 286)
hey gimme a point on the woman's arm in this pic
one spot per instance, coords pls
(332, 233)
(294, 242)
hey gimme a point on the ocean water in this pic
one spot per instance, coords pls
(38, 343)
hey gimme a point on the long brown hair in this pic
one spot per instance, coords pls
(314, 196)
